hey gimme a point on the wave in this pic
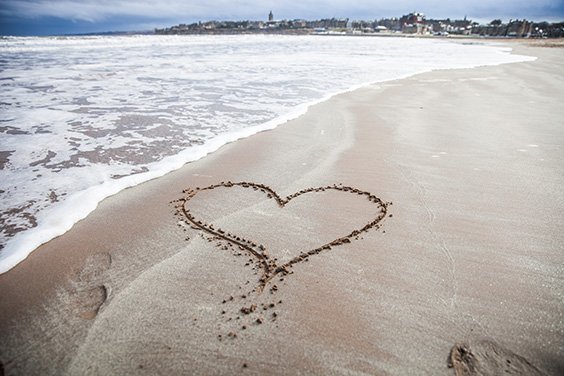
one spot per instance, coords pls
(186, 98)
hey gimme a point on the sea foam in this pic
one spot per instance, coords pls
(86, 117)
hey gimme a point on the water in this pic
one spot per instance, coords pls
(85, 117)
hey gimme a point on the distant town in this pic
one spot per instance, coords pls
(410, 24)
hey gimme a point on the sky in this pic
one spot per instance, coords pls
(56, 17)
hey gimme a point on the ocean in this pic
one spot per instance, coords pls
(84, 117)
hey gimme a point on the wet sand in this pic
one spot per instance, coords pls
(460, 174)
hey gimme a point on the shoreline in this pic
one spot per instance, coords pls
(20, 245)
(132, 292)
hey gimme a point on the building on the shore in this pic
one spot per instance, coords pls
(515, 29)
(414, 23)
(392, 24)
(446, 26)
(519, 28)
(334, 23)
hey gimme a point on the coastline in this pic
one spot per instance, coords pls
(399, 300)
(58, 218)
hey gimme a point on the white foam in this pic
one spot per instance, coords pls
(99, 107)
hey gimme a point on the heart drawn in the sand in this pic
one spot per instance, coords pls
(269, 266)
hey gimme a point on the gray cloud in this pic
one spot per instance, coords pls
(169, 12)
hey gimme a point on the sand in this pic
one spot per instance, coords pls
(461, 271)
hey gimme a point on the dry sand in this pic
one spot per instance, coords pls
(469, 257)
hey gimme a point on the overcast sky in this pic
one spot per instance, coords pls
(45, 17)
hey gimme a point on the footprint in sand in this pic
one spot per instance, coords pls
(488, 358)
(88, 291)
(87, 303)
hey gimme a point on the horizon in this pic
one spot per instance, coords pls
(75, 17)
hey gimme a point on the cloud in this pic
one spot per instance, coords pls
(92, 11)
(99, 10)
(160, 13)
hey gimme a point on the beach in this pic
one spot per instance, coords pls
(458, 171)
